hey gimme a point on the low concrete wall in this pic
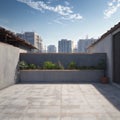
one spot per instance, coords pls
(65, 59)
(9, 57)
(59, 76)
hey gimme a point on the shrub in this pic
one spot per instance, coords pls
(49, 65)
(23, 65)
(72, 65)
(32, 66)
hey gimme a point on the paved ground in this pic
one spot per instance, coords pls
(60, 102)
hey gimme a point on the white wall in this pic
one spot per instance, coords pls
(106, 46)
(9, 57)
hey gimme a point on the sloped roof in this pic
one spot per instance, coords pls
(9, 37)
(106, 34)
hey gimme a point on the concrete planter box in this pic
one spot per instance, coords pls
(57, 76)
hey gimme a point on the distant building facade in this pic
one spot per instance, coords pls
(65, 46)
(75, 50)
(33, 38)
(51, 49)
(83, 44)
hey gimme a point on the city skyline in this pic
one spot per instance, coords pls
(54, 20)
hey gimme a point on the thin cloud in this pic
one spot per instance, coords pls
(58, 22)
(64, 11)
(113, 6)
(67, 3)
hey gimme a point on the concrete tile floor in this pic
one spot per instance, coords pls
(60, 102)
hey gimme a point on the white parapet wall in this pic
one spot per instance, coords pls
(58, 76)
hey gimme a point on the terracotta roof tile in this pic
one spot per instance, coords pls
(9, 37)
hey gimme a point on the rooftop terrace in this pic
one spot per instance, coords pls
(60, 102)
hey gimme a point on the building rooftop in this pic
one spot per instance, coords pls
(9, 37)
(60, 102)
(106, 34)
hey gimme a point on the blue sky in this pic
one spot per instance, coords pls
(57, 19)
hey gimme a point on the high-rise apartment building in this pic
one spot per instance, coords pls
(65, 46)
(83, 44)
(51, 49)
(33, 38)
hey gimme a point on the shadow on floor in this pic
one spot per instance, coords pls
(110, 92)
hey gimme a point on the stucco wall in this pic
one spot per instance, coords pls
(106, 46)
(9, 57)
(64, 59)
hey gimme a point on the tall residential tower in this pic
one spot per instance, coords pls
(51, 49)
(83, 44)
(65, 46)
